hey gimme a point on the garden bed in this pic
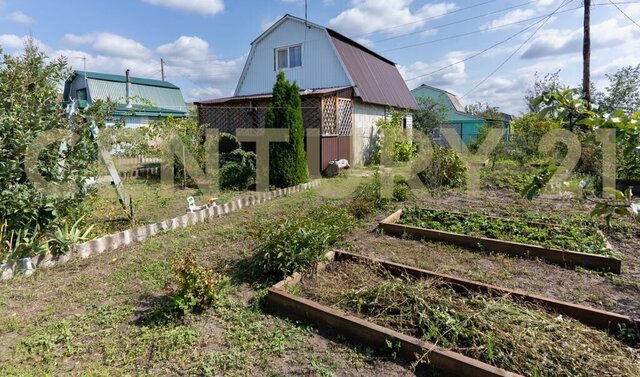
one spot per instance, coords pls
(457, 326)
(549, 242)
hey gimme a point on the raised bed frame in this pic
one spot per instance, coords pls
(367, 333)
(565, 258)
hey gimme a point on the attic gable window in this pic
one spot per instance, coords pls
(288, 57)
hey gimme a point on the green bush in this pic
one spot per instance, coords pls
(29, 107)
(299, 242)
(371, 191)
(447, 169)
(198, 288)
(237, 168)
(287, 161)
(401, 190)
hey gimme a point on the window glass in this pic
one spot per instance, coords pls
(295, 56)
(281, 58)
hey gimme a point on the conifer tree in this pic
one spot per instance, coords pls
(287, 161)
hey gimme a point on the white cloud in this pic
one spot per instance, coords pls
(454, 75)
(506, 93)
(15, 44)
(20, 17)
(554, 42)
(189, 62)
(509, 18)
(367, 16)
(185, 47)
(110, 44)
(204, 7)
(11, 42)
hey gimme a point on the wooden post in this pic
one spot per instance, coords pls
(586, 53)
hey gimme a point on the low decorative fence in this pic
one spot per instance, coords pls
(129, 236)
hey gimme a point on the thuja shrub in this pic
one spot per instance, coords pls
(197, 288)
(299, 242)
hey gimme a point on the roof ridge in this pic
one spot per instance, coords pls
(122, 78)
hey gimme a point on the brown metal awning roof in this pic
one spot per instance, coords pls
(377, 79)
(303, 93)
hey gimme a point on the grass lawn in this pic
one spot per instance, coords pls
(100, 316)
(152, 201)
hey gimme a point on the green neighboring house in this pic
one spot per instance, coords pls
(139, 100)
(465, 124)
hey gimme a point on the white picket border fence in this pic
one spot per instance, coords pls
(114, 241)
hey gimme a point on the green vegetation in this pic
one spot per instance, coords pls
(395, 145)
(287, 161)
(237, 168)
(577, 234)
(298, 242)
(32, 209)
(514, 336)
(198, 288)
(447, 169)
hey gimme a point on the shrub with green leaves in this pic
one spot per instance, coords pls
(447, 169)
(299, 242)
(30, 107)
(198, 288)
(401, 189)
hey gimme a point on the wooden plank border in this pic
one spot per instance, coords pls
(410, 349)
(565, 258)
(370, 334)
(597, 318)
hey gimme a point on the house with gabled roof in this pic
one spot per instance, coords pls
(139, 100)
(345, 88)
(466, 125)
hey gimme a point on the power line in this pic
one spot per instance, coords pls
(626, 15)
(477, 53)
(426, 18)
(494, 27)
(564, 3)
(456, 22)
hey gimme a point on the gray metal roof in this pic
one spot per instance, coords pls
(376, 78)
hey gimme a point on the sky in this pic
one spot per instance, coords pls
(480, 50)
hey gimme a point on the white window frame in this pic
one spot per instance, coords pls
(288, 49)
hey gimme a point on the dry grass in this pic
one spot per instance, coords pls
(518, 337)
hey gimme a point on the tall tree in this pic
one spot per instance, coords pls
(623, 91)
(430, 115)
(287, 161)
(542, 84)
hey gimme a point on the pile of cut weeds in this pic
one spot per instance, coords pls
(577, 234)
(517, 337)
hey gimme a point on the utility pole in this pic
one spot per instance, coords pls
(586, 53)
(162, 68)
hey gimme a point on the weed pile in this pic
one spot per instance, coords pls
(577, 234)
(514, 336)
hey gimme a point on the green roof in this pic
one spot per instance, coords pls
(120, 78)
(148, 97)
